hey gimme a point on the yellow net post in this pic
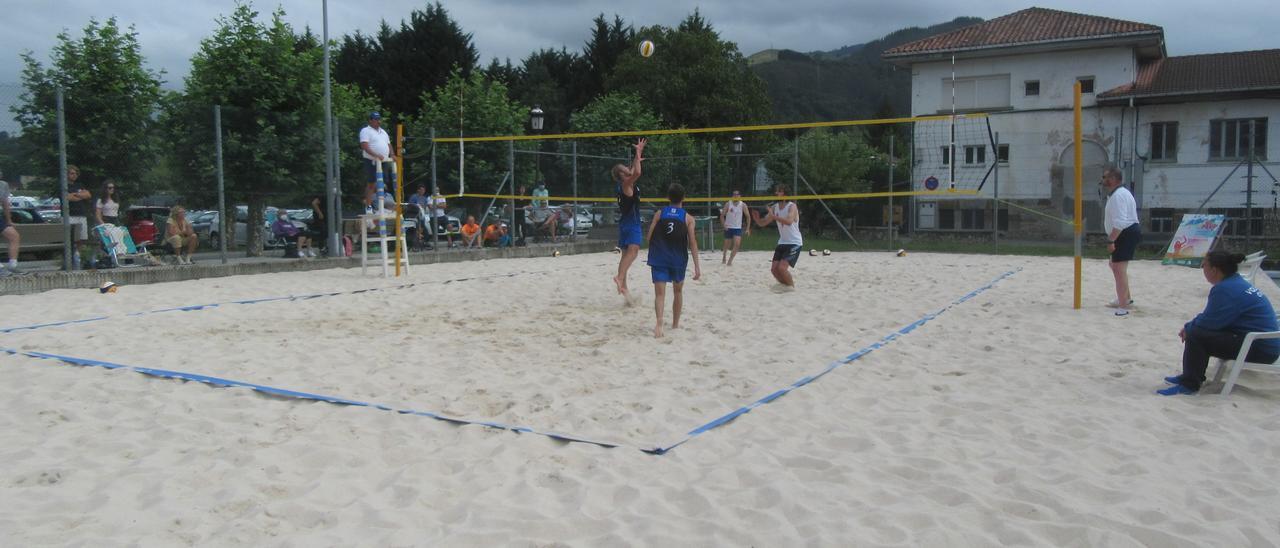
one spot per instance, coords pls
(1079, 213)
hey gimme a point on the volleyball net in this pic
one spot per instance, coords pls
(842, 173)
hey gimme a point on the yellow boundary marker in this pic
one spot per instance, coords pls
(727, 198)
(687, 131)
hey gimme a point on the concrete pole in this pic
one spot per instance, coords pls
(331, 188)
(62, 183)
(222, 194)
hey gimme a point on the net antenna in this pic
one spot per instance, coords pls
(952, 180)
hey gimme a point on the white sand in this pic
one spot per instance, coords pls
(1009, 419)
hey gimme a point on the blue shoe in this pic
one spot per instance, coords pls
(1175, 390)
(1176, 379)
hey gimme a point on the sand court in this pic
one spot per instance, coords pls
(1009, 418)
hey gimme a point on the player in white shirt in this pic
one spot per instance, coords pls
(731, 216)
(1123, 234)
(787, 215)
(375, 146)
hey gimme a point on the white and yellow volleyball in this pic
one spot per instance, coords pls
(813, 253)
(902, 253)
(826, 252)
(555, 253)
(646, 48)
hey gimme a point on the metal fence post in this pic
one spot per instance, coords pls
(222, 195)
(62, 182)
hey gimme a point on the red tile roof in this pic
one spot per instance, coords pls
(1198, 74)
(1024, 27)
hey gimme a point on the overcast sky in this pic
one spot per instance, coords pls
(170, 31)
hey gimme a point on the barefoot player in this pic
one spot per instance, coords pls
(787, 215)
(731, 216)
(671, 238)
(629, 236)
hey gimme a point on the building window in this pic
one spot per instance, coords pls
(946, 155)
(1237, 225)
(1229, 139)
(1002, 154)
(1031, 88)
(946, 218)
(975, 155)
(1164, 142)
(972, 219)
(975, 93)
(1162, 221)
(1086, 84)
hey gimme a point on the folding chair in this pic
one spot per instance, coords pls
(119, 246)
(1240, 363)
(1252, 265)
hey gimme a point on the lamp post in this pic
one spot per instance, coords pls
(535, 118)
(737, 162)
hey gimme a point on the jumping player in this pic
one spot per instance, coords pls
(629, 236)
(787, 253)
(671, 238)
(731, 219)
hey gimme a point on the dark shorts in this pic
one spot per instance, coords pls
(629, 234)
(662, 274)
(3, 225)
(731, 233)
(787, 252)
(1127, 244)
(388, 172)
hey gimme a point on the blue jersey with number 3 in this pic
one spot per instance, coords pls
(669, 247)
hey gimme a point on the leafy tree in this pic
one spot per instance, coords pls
(110, 99)
(694, 79)
(398, 65)
(268, 83)
(833, 162)
(468, 105)
(672, 158)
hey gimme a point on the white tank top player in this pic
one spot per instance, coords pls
(787, 215)
(788, 234)
(731, 217)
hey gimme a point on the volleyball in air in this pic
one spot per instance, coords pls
(646, 48)
(902, 253)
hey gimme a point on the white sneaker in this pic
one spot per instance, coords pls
(1122, 312)
(1116, 304)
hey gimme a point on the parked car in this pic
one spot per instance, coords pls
(39, 236)
(25, 202)
(206, 224)
(146, 225)
(582, 225)
(242, 228)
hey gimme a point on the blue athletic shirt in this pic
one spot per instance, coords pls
(1238, 307)
(669, 246)
(629, 206)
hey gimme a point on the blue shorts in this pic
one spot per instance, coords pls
(787, 252)
(629, 235)
(663, 274)
(731, 233)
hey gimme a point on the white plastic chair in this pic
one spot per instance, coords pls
(1240, 363)
(1252, 265)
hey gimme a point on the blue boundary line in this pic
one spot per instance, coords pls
(730, 416)
(295, 394)
(282, 392)
(195, 307)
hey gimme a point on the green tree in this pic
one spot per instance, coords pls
(398, 65)
(672, 158)
(468, 105)
(268, 83)
(110, 99)
(694, 79)
(832, 162)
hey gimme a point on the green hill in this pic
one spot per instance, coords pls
(848, 83)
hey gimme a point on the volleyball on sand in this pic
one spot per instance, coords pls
(555, 253)
(902, 253)
(646, 48)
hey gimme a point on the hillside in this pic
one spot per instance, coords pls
(843, 84)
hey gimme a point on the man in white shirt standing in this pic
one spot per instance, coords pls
(787, 215)
(1123, 234)
(376, 147)
(731, 219)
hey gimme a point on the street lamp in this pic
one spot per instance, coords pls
(737, 145)
(535, 118)
(737, 161)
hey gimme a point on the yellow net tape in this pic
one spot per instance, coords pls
(727, 198)
(687, 131)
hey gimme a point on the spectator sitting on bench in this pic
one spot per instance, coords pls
(470, 233)
(496, 234)
(180, 235)
(284, 229)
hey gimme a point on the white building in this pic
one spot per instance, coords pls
(1178, 127)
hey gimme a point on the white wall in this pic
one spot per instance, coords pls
(1188, 181)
